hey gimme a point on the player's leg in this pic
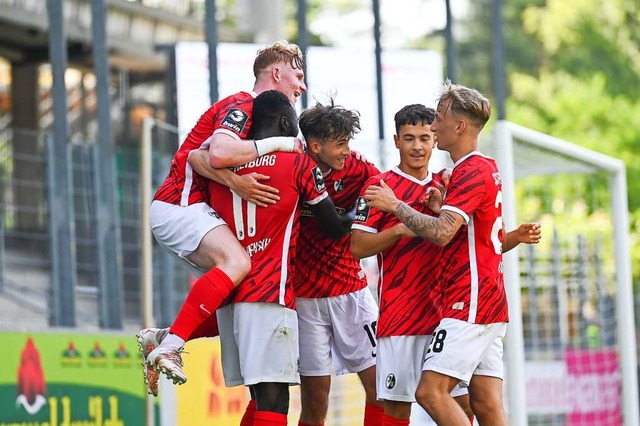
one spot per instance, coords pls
(461, 395)
(315, 339)
(486, 400)
(197, 234)
(485, 388)
(354, 317)
(314, 399)
(267, 347)
(373, 409)
(399, 366)
(456, 351)
(433, 394)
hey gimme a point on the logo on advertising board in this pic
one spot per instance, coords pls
(65, 379)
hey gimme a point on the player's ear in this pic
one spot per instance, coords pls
(461, 127)
(396, 140)
(276, 73)
(284, 124)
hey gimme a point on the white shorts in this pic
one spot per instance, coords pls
(259, 344)
(460, 349)
(399, 366)
(337, 334)
(181, 228)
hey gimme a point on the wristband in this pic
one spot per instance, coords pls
(275, 143)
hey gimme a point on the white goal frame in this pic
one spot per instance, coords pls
(507, 138)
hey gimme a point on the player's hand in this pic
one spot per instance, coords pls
(433, 198)
(298, 146)
(250, 189)
(381, 197)
(445, 174)
(529, 233)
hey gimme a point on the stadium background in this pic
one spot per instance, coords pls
(70, 244)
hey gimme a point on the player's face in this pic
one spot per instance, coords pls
(415, 143)
(291, 82)
(444, 127)
(332, 154)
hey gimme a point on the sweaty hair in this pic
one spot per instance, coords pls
(466, 101)
(280, 51)
(268, 108)
(412, 115)
(329, 122)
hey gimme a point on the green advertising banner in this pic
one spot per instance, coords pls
(69, 379)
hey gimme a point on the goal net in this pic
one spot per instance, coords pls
(570, 350)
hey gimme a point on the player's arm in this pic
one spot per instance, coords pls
(365, 244)
(227, 151)
(247, 186)
(332, 224)
(439, 230)
(527, 233)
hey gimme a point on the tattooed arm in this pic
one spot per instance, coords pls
(439, 230)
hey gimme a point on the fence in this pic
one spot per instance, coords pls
(568, 286)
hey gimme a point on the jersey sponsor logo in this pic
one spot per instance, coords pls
(305, 210)
(318, 179)
(496, 178)
(267, 160)
(258, 246)
(390, 382)
(235, 119)
(338, 185)
(362, 210)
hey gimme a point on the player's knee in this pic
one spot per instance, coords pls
(429, 398)
(485, 404)
(272, 397)
(236, 265)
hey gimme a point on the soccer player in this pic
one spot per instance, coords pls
(336, 311)
(409, 290)
(467, 343)
(408, 285)
(182, 220)
(259, 327)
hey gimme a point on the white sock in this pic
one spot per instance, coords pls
(173, 341)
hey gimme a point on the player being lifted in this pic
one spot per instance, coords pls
(181, 204)
(467, 343)
(259, 326)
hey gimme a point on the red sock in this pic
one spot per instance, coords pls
(269, 418)
(301, 423)
(203, 299)
(392, 421)
(249, 412)
(207, 328)
(373, 414)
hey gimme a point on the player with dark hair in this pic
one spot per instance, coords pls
(336, 311)
(182, 220)
(467, 343)
(259, 327)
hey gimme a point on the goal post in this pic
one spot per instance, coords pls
(514, 146)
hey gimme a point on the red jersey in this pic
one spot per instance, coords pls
(269, 234)
(326, 267)
(232, 116)
(409, 290)
(473, 284)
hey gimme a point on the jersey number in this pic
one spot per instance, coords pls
(437, 344)
(238, 218)
(497, 227)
